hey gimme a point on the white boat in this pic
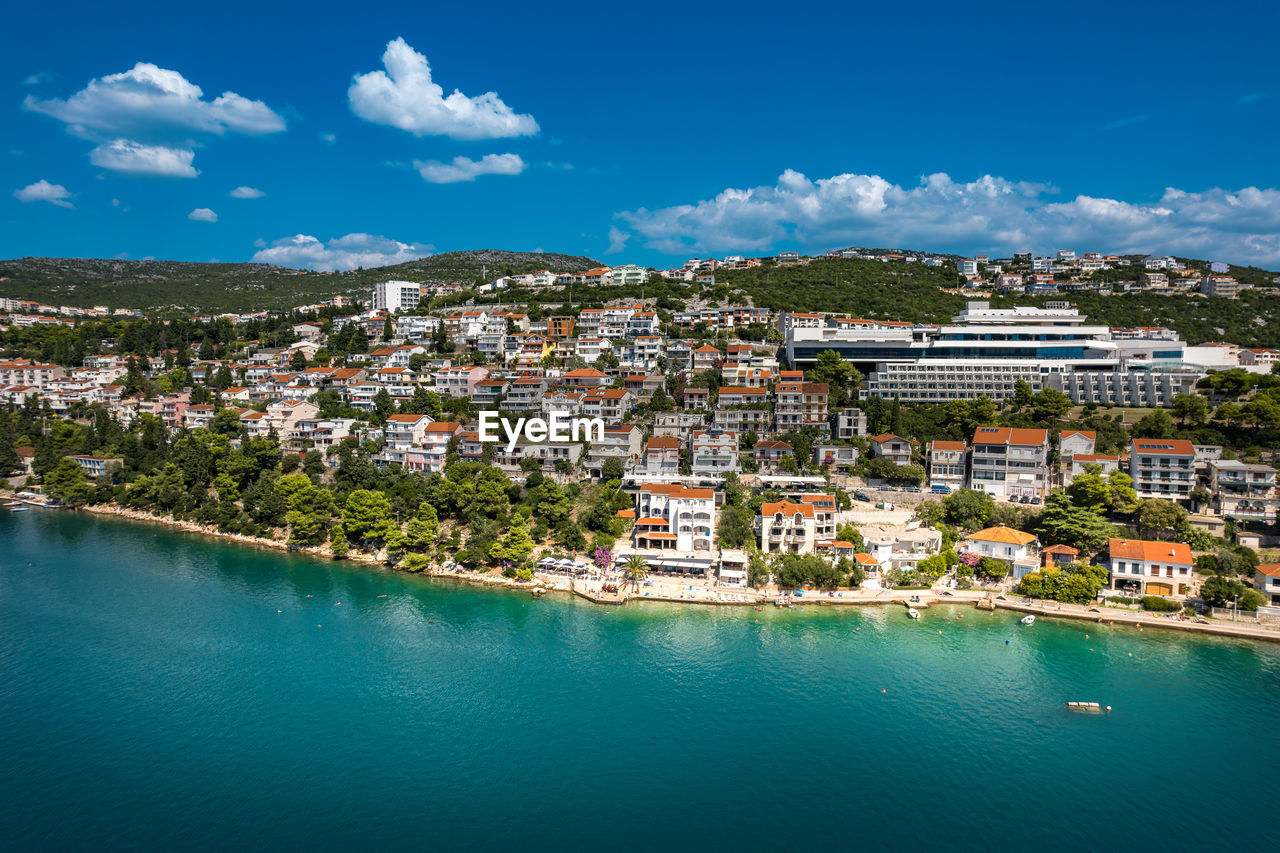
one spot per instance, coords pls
(18, 508)
(1029, 619)
(913, 613)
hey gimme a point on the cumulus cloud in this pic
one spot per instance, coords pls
(342, 253)
(149, 108)
(42, 190)
(405, 96)
(989, 214)
(203, 214)
(247, 192)
(124, 155)
(466, 169)
(617, 240)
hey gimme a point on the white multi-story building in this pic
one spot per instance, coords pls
(788, 528)
(677, 518)
(1163, 468)
(1245, 491)
(394, 296)
(713, 453)
(947, 464)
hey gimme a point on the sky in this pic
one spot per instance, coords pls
(318, 136)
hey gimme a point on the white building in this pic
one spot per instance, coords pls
(394, 296)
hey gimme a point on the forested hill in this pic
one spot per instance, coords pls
(213, 287)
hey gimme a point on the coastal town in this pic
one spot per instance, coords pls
(740, 455)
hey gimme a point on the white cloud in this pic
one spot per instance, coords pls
(617, 240)
(405, 96)
(466, 169)
(124, 155)
(342, 253)
(203, 214)
(37, 78)
(990, 214)
(329, 138)
(149, 108)
(148, 100)
(42, 190)
(247, 192)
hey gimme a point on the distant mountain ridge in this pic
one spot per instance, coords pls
(85, 282)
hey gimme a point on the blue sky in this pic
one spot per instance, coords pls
(643, 134)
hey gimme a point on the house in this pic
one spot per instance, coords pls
(402, 433)
(1142, 567)
(769, 454)
(694, 397)
(1015, 547)
(1010, 462)
(458, 382)
(850, 422)
(788, 528)
(1073, 441)
(713, 453)
(620, 441)
(1106, 464)
(1060, 555)
(584, 377)
(947, 465)
(676, 518)
(1266, 580)
(430, 457)
(894, 448)
(1163, 468)
(828, 455)
(96, 466)
(661, 457)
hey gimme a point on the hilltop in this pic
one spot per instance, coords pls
(84, 282)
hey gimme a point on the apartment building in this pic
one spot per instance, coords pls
(713, 453)
(676, 518)
(460, 381)
(800, 404)
(1010, 463)
(787, 528)
(1243, 491)
(620, 441)
(947, 465)
(1143, 567)
(396, 296)
(661, 457)
(1163, 468)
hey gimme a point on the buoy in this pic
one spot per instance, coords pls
(1130, 654)
(1108, 708)
(279, 611)
(1086, 636)
(939, 632)
(1006, 642)
(882, 690)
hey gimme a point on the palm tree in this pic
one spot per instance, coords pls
(635, 569)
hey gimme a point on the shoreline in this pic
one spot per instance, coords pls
(750, 598)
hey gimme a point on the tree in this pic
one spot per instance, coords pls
(612, 469)
(1157, 424)
(514, 547)
(735, 526)
(67, 482)
(967, 508)
(1088, 490)
(1190, 408)
(1159, 516)
(420, 532)
(366, 514)
(1063, 523)
(297, 361)
(635, 569)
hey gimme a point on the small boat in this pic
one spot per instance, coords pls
(1029, 619)
(12, 505)
(1088, 708)
(913, 613)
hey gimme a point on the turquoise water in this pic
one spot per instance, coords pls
(151, 696)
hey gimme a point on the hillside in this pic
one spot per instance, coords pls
(85, 282)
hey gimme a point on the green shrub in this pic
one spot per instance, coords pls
(1159, 604)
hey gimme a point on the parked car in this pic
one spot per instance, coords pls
(940, 489)
(861, 496)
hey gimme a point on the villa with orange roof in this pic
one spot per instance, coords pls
(788, 528)
(675, 518)
(1150, 568)
(1016, 547)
